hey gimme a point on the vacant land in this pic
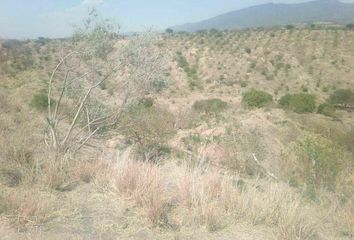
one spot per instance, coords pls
(239, 135)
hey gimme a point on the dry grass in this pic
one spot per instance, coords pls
(183, 198)
(141, 183)
(25, 207)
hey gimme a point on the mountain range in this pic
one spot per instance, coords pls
(277, 14)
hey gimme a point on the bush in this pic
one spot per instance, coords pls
(210, 106)
(40, 101)
(255, 98)
(243, 84)
(300, 103)
(248, 50)
(148, 127)
(327, 109)
(342, 97)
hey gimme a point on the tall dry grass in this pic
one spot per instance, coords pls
(177, 196)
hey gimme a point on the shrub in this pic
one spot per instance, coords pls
(214, 105)
(40, 101)
(255, 98)
(300, 103)
(148, 127)
(243, 84)
(327, 109)
(342, 97)
(248, 50)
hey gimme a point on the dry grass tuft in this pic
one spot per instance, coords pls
(142, 183)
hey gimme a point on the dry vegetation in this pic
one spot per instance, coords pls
(229, 143)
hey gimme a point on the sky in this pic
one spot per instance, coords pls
(55, 18)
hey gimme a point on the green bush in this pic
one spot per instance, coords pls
(342, 97)
(208, 106)
(40, 101)
(327, 109)
(255, 98)
(148, 127)
(300, 103)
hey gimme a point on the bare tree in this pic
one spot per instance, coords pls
(79, 106)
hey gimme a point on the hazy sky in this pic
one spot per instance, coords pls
(54, 18)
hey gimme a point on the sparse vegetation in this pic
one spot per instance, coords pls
(171, 151)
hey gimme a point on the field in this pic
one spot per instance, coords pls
(245, 135)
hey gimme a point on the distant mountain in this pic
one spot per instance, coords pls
(272, 14)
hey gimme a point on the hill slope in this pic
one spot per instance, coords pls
(212, 177)
(277, 14)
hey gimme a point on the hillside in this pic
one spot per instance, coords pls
(194, 157)
(271, 14)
